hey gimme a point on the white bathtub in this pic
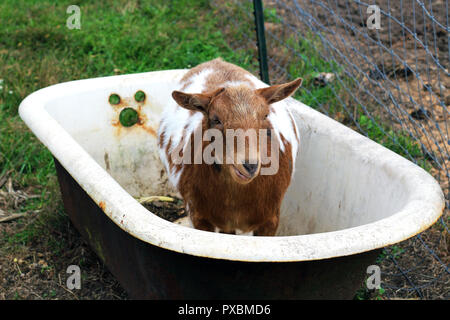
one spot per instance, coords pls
(349, 195)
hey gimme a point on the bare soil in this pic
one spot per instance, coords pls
(35, 266)
(37, 248)
(168, 210)
(402, 75)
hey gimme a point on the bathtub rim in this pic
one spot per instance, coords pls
(418, 214)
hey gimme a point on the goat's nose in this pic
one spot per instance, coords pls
(250, 167)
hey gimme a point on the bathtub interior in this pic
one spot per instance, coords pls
(335, 185)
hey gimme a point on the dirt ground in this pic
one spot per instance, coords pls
(401, 69)
(402, 75)
(34, 266)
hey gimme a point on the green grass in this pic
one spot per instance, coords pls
(399, 142)
(154, 35)
(270, 14)
(308, 64)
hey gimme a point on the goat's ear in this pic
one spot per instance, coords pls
(279, 92)
(196, 101)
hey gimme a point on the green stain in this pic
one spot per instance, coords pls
(95, 244)
(139, 96)
(128, 117)
(114, 99)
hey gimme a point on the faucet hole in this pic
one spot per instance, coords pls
(114, 98)
(139, 96)
(128, 117)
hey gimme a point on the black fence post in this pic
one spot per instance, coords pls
(261, 40)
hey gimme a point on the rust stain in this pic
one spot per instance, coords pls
(140, 124)
(148, 129)
(142, 120)
(124, 102)
(118, 126)
(102, 205)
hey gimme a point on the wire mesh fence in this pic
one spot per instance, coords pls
(382, 69)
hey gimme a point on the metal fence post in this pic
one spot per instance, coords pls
(261, 40)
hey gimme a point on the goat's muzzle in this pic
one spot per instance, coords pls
(246, 171)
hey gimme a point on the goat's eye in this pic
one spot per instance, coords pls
(265, 117)
(215, 121)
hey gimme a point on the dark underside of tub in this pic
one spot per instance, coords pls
(149, 272)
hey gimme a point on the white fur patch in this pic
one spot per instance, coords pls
(282, 122)
(173, 121)
(235, 84)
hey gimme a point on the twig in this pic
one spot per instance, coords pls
(68, 291)
(9, 186)
(153, 198)
(4, 178)
(37, 295)
(12, 217)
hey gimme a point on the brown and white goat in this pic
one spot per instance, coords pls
(229, 195)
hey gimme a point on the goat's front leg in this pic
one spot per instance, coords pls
(200, 223)
(269, 227)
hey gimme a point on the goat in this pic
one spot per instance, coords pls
(229, 193)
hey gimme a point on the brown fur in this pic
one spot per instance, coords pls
(216, 200)
(224, 72)
(213, 197)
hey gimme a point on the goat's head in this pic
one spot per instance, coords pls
(238, 114)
